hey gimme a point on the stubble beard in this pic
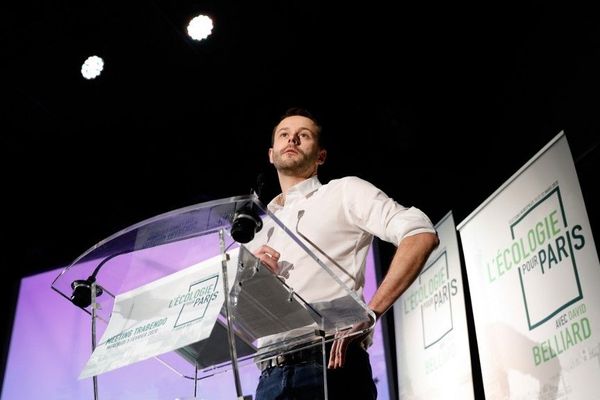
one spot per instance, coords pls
(298, 166)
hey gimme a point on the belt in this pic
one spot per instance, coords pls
(311, 354)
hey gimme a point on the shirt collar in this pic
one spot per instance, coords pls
(302, 189)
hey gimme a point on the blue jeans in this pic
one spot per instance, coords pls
(304, 381)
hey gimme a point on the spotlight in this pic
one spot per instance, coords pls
(92, 67)
(200, 27)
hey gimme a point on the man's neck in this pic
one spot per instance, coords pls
(287, 181)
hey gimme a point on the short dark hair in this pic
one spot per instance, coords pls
(303, 112)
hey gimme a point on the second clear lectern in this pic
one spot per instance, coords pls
(185, 290)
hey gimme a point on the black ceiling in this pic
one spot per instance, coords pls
(438, 103)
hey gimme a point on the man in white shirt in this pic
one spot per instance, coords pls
(337, 220)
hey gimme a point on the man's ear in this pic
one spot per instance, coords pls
(271, 155)
(322, 156)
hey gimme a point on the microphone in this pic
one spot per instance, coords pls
(82, 291)
(246, 221)
(82, 288)
(260, 185)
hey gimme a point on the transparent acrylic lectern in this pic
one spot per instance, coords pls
(128, 284)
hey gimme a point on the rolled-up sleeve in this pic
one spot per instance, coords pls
(378, 214)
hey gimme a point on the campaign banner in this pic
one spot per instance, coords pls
(534, 278)
(162, 316)
(432, 342)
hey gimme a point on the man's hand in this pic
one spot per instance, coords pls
(337, 356)
(269, 257)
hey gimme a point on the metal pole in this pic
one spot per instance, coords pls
(196, 380)
(230, 334)
(324, 351)
(94, 306)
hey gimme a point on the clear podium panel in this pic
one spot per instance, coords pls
(135, 272)
(150, 250)
(325, 289)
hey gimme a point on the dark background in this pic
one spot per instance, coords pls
(438, 103)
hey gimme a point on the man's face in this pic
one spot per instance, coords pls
(295, 149)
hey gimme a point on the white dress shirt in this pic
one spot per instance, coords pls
(337, 222)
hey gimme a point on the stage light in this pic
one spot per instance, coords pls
(200, 27)
(92, 67)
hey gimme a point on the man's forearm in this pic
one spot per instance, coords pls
(410, 256)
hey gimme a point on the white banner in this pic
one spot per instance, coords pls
(432, 341)
(162, 316)
(534, 278)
